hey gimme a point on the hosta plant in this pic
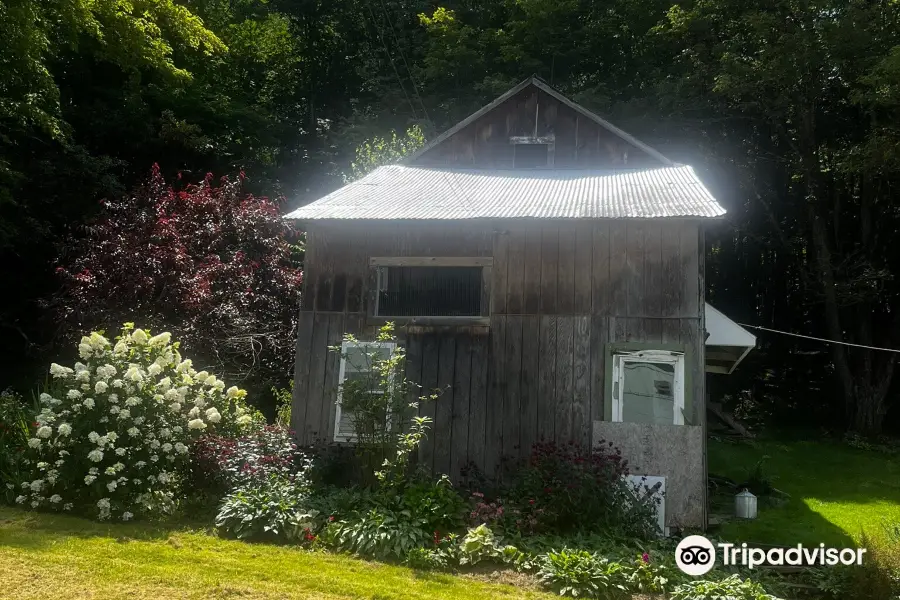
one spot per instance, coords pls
(579, 573)
(379, 533)
(114, 430)
(732, 588)
(268, 509)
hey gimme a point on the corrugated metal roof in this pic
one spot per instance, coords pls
(404, 192)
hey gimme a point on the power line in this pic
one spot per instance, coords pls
(391, 60)
(809, 337)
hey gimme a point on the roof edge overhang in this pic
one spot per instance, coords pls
(504, 220)
(537, 82)
(728, 343)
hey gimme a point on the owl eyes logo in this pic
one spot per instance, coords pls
(695, 555)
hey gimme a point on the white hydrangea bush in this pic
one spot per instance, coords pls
(114, 430)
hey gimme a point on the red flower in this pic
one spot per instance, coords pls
(531, 502)
(331, 519)
(437, 537)
(646, 558)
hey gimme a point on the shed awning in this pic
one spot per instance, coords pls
(728, 343)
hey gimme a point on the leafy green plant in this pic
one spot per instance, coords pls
(731, 588)
(268, 509)
(437, 502)
(581, 573)
(480, 544)
(758, 482)
(379, 533)
(380, 151)
(386, 426)
(283, 402)
(14, 433)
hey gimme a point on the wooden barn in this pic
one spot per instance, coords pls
(546, 268)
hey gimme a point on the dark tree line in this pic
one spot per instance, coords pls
(789, 109)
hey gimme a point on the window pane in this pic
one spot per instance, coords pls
(648, 393)
(530, 156)
(363, 358)
(430, 292)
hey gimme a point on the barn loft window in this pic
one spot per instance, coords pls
(648, 387)
(357, 372)
(437, 288)
(533, 152)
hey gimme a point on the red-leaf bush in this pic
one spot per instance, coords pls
(207, 262)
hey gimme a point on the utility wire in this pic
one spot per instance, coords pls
(809, 337)
(391, 60)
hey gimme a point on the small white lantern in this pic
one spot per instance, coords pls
(745, 505)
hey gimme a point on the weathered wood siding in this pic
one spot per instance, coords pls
(579, 142)
(560, 292)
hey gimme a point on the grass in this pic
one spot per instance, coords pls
(52, 556)
(836, 492)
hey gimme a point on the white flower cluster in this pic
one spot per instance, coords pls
(118, 425)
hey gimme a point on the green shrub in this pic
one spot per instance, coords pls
(15, 427)
(114, 431)
(436, 502)
(581, 573)
(731, 588)
(566, 488)
(283, 403)
(268, 509)
(878, 578)
(379, 533)
(480, 544)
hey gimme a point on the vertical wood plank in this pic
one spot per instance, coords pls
(478, 401)
(529, 392)
(310, 267)
(583, 268)
(673, 270)
(634, 261)
(430, 358)
(581, 381)
(565, 295)
(515, 272)
(532, 277)
(547, 384)
(600, 282)
(303, 355)
(338, 325)
(549, 266)
(317, 400)
(499, 271)
(493, 446)
(653, 276)
(462, 386)
(325, 264)
(565, 354)
(618, 272)
(690, 337)
(599, 339)
(511, 399)
(670, 331)
(443, 410)
(618, 329)
(690, 255)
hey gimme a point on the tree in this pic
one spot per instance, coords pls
(209, 263)
(380, 151)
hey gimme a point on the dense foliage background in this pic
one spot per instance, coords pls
(788, 108)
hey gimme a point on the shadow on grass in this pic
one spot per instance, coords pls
(856, 489)
(34, 530)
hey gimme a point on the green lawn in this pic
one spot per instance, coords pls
(48, 556)
(836, 491)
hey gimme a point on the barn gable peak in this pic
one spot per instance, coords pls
(536, 123)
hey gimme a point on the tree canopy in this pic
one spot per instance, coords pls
(788, 109)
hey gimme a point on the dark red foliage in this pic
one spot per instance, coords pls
(207, 262)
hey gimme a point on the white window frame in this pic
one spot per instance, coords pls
(338, 436)
(648, 356)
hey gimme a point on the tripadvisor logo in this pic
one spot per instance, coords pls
(695, 555)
